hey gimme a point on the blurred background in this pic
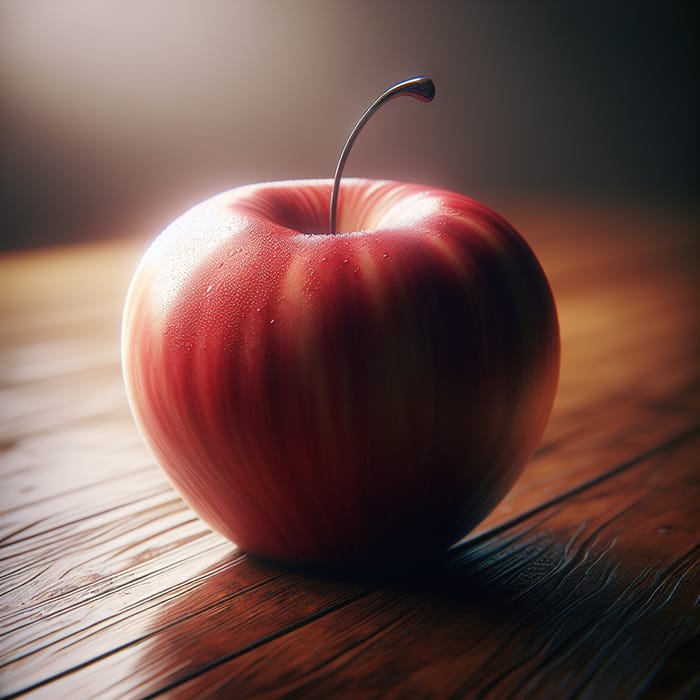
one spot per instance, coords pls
(117, 116)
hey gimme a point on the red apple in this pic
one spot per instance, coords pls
(341, 399)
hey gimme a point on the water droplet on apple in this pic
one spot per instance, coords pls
(208, 289)
(272, 321)
(386, 255)
(346, 261)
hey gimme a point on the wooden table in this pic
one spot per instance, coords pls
(584, 582)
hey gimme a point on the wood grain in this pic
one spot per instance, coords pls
(584, 582)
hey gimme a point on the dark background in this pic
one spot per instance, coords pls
(117, 116)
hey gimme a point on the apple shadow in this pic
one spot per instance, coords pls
(552, 612)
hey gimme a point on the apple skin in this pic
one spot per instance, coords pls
(345, 400)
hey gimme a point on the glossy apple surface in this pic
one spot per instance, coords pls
(341, 399)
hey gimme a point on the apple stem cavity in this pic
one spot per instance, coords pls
(420, 87)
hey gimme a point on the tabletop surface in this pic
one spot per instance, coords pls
(583, 583)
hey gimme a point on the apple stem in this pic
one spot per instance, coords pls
(421, 88)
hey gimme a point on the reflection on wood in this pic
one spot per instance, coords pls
(585, 581)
